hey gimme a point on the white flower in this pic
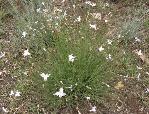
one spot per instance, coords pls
(147, 73)
(139, 68)
(11, 93)
(71, 58)
(44, 49)
(93, 109)
(93, 26)
(25, 73)
(17, 93)
(139, 52)
(109, 41)
(5, 110)
(60, 93)
(24, 34)
(137, 39)
(88, 98)
(45, 76)
(1, 73)
(78, 19)
(147, 90)
(100, 49)
(74, 6)
(106, 21)
(79, 112)
(107, 4)
(90, 3)
(42, 3)
(2, 54)
(26, 53)
(45, 10)
(109, 57)
(38, 10)
(61, 82)
(119, 35)
(63, 1)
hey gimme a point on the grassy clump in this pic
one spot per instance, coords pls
(87, 76)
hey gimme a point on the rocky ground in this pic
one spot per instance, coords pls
(130, 94)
